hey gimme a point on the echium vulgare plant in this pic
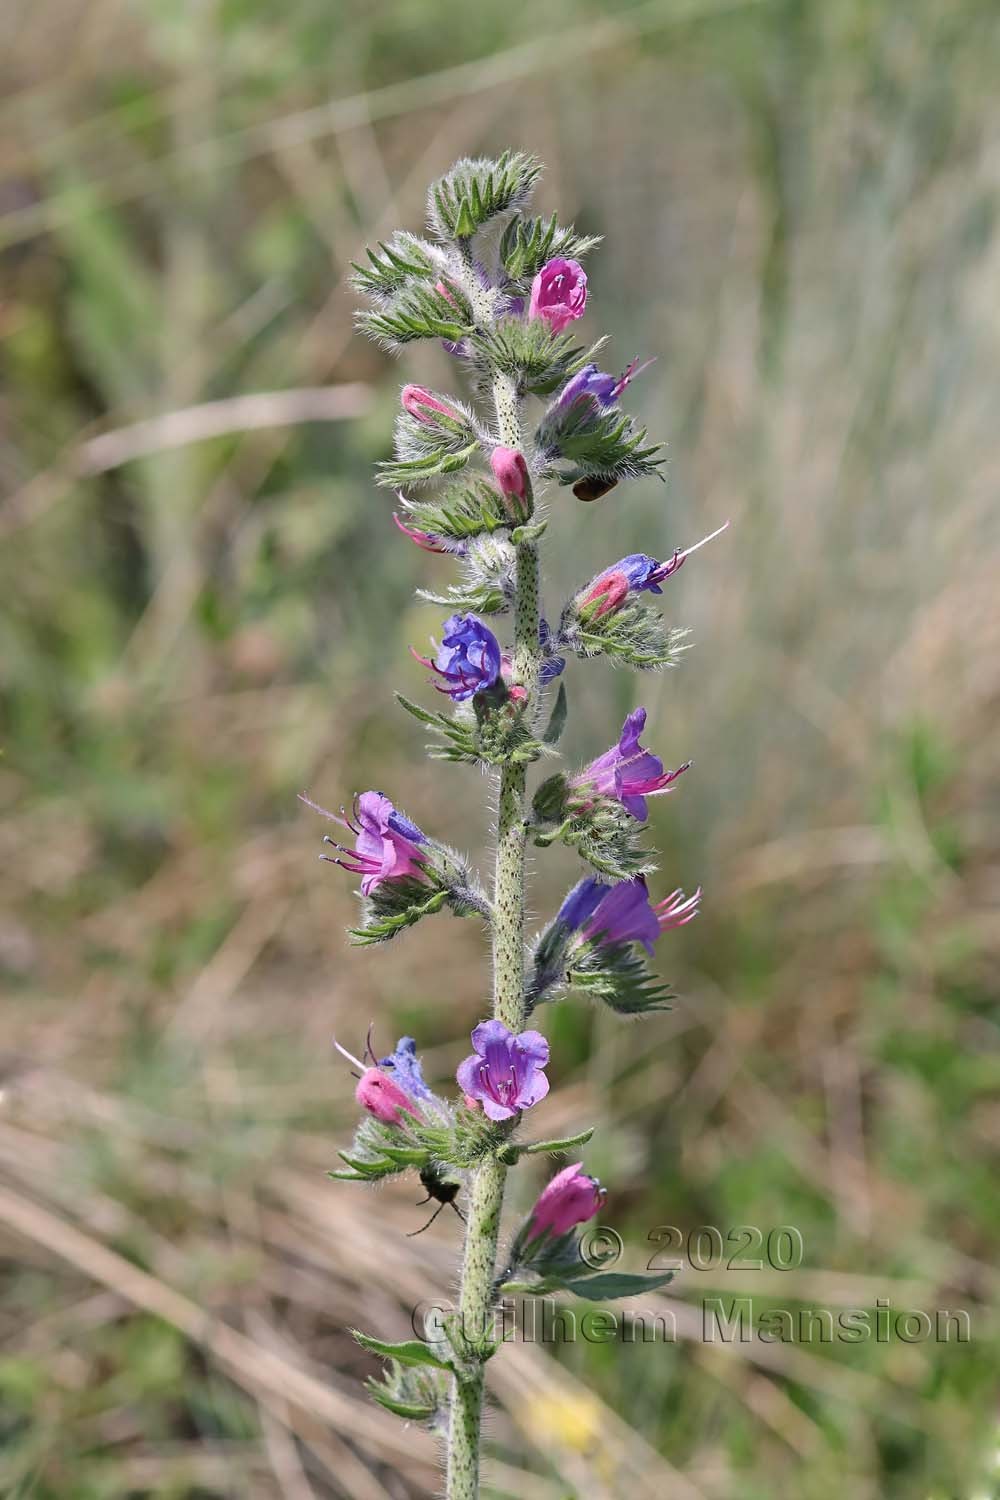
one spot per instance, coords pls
(503, 290)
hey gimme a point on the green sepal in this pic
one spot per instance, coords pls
(397, 472)
(528, 243)
(467, 509)
(529, 533)
(604, 834)
(407, 1352)
(589, 441)
(475, 191)
(632, 634)
(381, 924)
(616, 973)
(392, 264)
(526, 350)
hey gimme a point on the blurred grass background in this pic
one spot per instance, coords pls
(205, 610)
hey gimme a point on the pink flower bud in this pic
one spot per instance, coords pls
(382, 1097)
(570, 1198)
(511, 473)
(607, 594)
(423, 404)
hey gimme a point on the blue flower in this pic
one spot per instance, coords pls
(468, 659)
(406, 1068)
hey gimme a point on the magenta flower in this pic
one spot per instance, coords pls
(504, 1074)
(623, 913)
(387, 843)
(627, 772)
(570, 1198)
(511, 474)
(559, 293)
(468, 659)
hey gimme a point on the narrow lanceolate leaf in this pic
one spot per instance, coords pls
(394, 263)
(608, 1286)
(561, 1143)
(418, 311)
(402, 471)
(408, 1352)
(557, 718)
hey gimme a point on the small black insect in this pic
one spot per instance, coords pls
(593, 487)
(443, 1189)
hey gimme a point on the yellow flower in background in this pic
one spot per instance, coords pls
(572, 1420)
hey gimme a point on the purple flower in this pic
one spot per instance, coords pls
(634, 575)
(623, 913)
(406, 1068)
(559, 293)
(504, 1074)
(627, 772)
(594, 383)
(569, 1199)
(468, 659)
(386, 842)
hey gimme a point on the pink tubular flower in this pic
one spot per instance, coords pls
(423, 405)
(627, 772)
(380, 1096)
(387, 843)
(511, 474)
(377, 1092)
(570, 1198)
(559, 293)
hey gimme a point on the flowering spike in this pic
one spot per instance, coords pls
(502, 291)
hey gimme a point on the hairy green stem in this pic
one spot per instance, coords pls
(483, 1228)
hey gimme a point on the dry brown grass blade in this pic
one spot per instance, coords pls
(259, 1371)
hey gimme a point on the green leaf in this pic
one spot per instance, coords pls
(467, 509)
(557, 718)
(606, 1286)
(410, 1411)
(408, 1352)
(563, 1143)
